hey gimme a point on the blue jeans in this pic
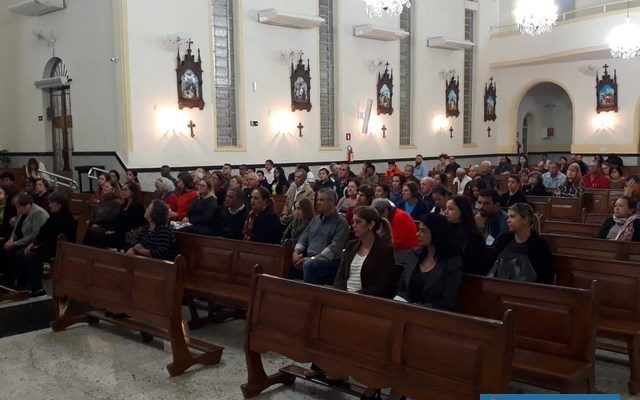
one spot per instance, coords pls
(320, 271)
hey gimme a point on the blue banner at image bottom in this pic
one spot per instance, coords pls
(550, 397)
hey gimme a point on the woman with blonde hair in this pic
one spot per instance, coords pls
(572, 186)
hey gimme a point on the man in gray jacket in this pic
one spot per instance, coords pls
(30, 219)
(320, 246)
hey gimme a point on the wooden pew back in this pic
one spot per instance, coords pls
(540, 204)
(146, 198)
(592, 247)
(220, 269)
(279, 201)
(596, 200)
(595, 218)
(79, 204)
(570, 228)
(418, 352)
(565, 209)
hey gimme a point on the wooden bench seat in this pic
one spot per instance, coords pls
(570, 228)
(592, 247)
(595, 218)
(148, 290)
(555, 329)
(220, 270)
(416, 351)
(619, 302)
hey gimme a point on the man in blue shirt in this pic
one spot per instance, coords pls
(491, 220)
(420, 170)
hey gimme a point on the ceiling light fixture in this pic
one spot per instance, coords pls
(624, 39)
(536, 17)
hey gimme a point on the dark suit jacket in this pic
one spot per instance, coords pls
(5, 227)
(378, 274)
(442, 288)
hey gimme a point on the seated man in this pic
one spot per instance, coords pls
(231, 218)
(504, 166)
(553, 178)
(426, 190)
(368, 175)
(461, 180)
(317, 254)
(409, 174)
(485, 172)
(452, 167)
(595, 179)
(491, 219)
(299, 190)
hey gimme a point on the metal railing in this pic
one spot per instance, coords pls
(59, 180)
(95, 172)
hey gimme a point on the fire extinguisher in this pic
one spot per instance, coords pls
(349, 154)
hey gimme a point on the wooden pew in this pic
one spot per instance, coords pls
(619, 298)
(79, 204)
(555, 329)
(540, 204)
(591, 247)
(148, 290)
(147, 198)
(20, 175)
(570, 228)
(565, 209)
(416, 351)
(596, 200)
(279, 200)
(595, 218)
(220, 270)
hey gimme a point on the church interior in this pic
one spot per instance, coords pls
(232, 173)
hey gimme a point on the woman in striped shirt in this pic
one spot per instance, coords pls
(156, 240)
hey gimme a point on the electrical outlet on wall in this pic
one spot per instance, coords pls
(253, 123)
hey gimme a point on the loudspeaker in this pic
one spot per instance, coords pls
(367, 116)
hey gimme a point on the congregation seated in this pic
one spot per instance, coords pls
(262, 224)
(441, 165)
(535, 186)
(156, 240)
(7, 215)
(411, 202)
(624, 224)
(165, 192)
(104, 223)
(553, 178)
(490, 218)
(522, 169)
(616, 176)
(43, 248)
(364, 197)
(467, 235)
(40, 194)
(461, 180)
(403, 228)
(513, 194)
(368, 175)
(392, 169)
(440, 196)
(30, 219)
(440, 179)
(367, 265)
(418, 171)
(544, 162)
(231, 217)
(132, 176)
(381, 191)
(317, 254)
(350, 198)
(186, 194)
(302, 216)
(485, 172)
(218, 183)
(572, 186)
(397, 182)
(521, 253)
(433, 273)
(96, 197)
(298, 190)
(595, 179)
(504, 166)
(201, 215)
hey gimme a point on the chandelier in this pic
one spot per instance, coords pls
(379, 8)
(535, 17)
(624, 39)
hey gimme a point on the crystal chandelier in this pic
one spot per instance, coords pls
(535, 17)
(379, 8)
(624, 39)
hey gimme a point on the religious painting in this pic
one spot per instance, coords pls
(189, 73)
(385, 91)
(452, 97)
(607, 92)
(300, 86)
(490, 101)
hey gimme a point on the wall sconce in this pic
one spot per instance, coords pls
(283, 122)
(440, 123)
(604, 122)
(171, 120)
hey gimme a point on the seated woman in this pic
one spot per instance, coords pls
(43, 247)
(441, 179)
(279, 185)
(397, 182)
(132, 176)
(433, 273)
(349, 199)
(624, 224)
(302, 215)
(440, 196)
(364, 197)
(131, 216)
(381, 191)
(367, 264)
(616, 176)
(156, 240)
(165, 192)
(97, 195)
(34, 168)
(202, 213)
(522, 246)
(114, 177)
(185, 195)
(513, 194)
(477, 185)
(324, 180)
(536, 186)
(572, 186)
(467, 235)
(218, 183)
(41, 194)
(235, 182)
(262, 224)
(523, 168)
(104, 222)
(411, 202)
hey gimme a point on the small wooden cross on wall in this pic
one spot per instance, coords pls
(300, 126)
(191, 125)
(384, 131)
(488, 131)
(451, 131)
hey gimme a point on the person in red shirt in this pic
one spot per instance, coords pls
(595, 179)
(403, 227)
(392, 169)
(186, 194)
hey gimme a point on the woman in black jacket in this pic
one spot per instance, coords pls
(460, 215)
(262, 224)
(624, 224)
(44, 247)
(522, 244)
(202, 213)
(433, 273)
(513, 194)
(536, 186)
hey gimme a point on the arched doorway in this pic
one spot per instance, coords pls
(545, 119)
